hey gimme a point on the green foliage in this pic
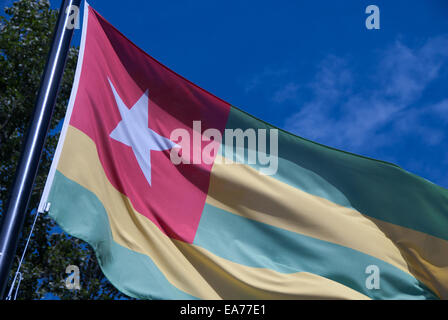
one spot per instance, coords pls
(25, 37)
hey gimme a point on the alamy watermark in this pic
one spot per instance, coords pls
(73, 17)
(72, 282)
(373, 20)
(373, 280)
(258, 147)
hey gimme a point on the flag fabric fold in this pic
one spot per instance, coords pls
(313, 228)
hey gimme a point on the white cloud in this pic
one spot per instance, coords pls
(256, 80)
(357, 118)
(288, 92)
(441, 109)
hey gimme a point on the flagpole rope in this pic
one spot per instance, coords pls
(18, 273)
(18, 285)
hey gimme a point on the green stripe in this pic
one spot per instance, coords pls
(80, 213)
(260, 245)
(374, 188)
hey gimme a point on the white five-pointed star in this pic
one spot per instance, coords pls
(133, 131)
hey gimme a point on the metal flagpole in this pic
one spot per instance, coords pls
(35, 139)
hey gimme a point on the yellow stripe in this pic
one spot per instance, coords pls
(425, 255)
(240, 189)
(188, 267)
(235, 281)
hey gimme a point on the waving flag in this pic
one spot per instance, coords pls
(286, 218)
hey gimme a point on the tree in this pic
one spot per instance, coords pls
(25, 37)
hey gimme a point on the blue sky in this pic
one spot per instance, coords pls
(312, 67)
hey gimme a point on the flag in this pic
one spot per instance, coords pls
(183, 196)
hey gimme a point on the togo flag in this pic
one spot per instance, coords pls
(183, 196)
